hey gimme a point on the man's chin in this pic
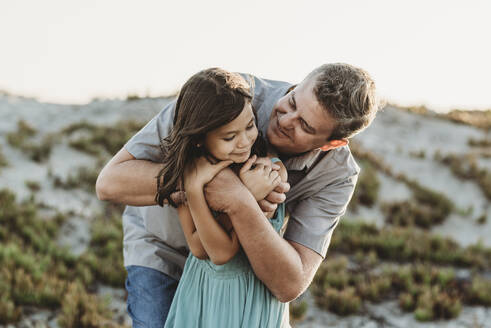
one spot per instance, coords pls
(274, 140)
(269, 133)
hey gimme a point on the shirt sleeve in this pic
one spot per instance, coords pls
(145, 144)
(313, 220)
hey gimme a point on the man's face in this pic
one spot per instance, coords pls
(298, 123)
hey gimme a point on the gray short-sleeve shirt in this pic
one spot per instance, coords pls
(322, 184)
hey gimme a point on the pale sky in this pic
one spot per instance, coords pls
(435, 53)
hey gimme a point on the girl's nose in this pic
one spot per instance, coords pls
(243, 141)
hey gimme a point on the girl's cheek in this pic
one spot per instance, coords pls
(254, 135)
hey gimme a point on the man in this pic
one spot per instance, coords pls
(308, 125)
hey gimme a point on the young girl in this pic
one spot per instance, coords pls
(214, 127)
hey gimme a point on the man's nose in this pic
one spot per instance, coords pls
(286, 120)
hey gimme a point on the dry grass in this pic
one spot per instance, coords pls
(367, 187)
(425, 208)
(430, 292)
(406, 244)
(35, 271)
(478, 118)
(404, 264)
(3, 159)
(102, 140)
(39, 150)
(466, 167)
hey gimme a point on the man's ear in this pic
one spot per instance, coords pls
(331, 144)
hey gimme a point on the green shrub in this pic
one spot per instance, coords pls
(298, 309)
(425, 209)
(132, 97)
(24, 130)
(33, 185)
(437, 205)
(482, 219)
(442, 205)
(432, 292)
(367, 188)
(103, 139)
(374, 288)
(8, 311)
(406, 302)
(106, 246)
(3, 159)
(418, 154)
(35, 271)
(480, 292)
(466, 167)
(406, 244)
(83, 125)
(342, 302)
(80, 309)
(435, 304)
(485, 142)
(478, 118)
(22, 139)
(82, 177)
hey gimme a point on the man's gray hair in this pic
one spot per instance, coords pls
(348, 94)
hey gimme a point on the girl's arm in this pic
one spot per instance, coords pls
(190, 232)
(219, 245)
(201, 226)
(204, 234)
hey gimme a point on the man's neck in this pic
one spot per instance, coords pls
(285, 157)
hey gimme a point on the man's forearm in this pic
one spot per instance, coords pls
(275, 262)
(130, 182)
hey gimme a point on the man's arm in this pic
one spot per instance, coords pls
(286, 268)
(127, 180)
(130, 176)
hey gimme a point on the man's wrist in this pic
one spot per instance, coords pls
(243, 200)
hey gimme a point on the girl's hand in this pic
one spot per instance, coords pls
(199, 173)
(261, 180)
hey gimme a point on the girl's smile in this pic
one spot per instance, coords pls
(234, 140)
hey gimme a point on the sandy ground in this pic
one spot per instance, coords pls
(50, 118)
(393, 136)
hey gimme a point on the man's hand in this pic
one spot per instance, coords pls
(225, 189)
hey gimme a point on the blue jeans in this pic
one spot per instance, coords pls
(150, 294)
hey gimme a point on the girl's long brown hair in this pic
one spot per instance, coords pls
(209, 99)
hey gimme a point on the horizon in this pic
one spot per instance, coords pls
(431, 54)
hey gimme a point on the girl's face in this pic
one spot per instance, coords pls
(234, 140)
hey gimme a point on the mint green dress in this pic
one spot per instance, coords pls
(228, 295)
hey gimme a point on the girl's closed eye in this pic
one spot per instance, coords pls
(249, 127)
